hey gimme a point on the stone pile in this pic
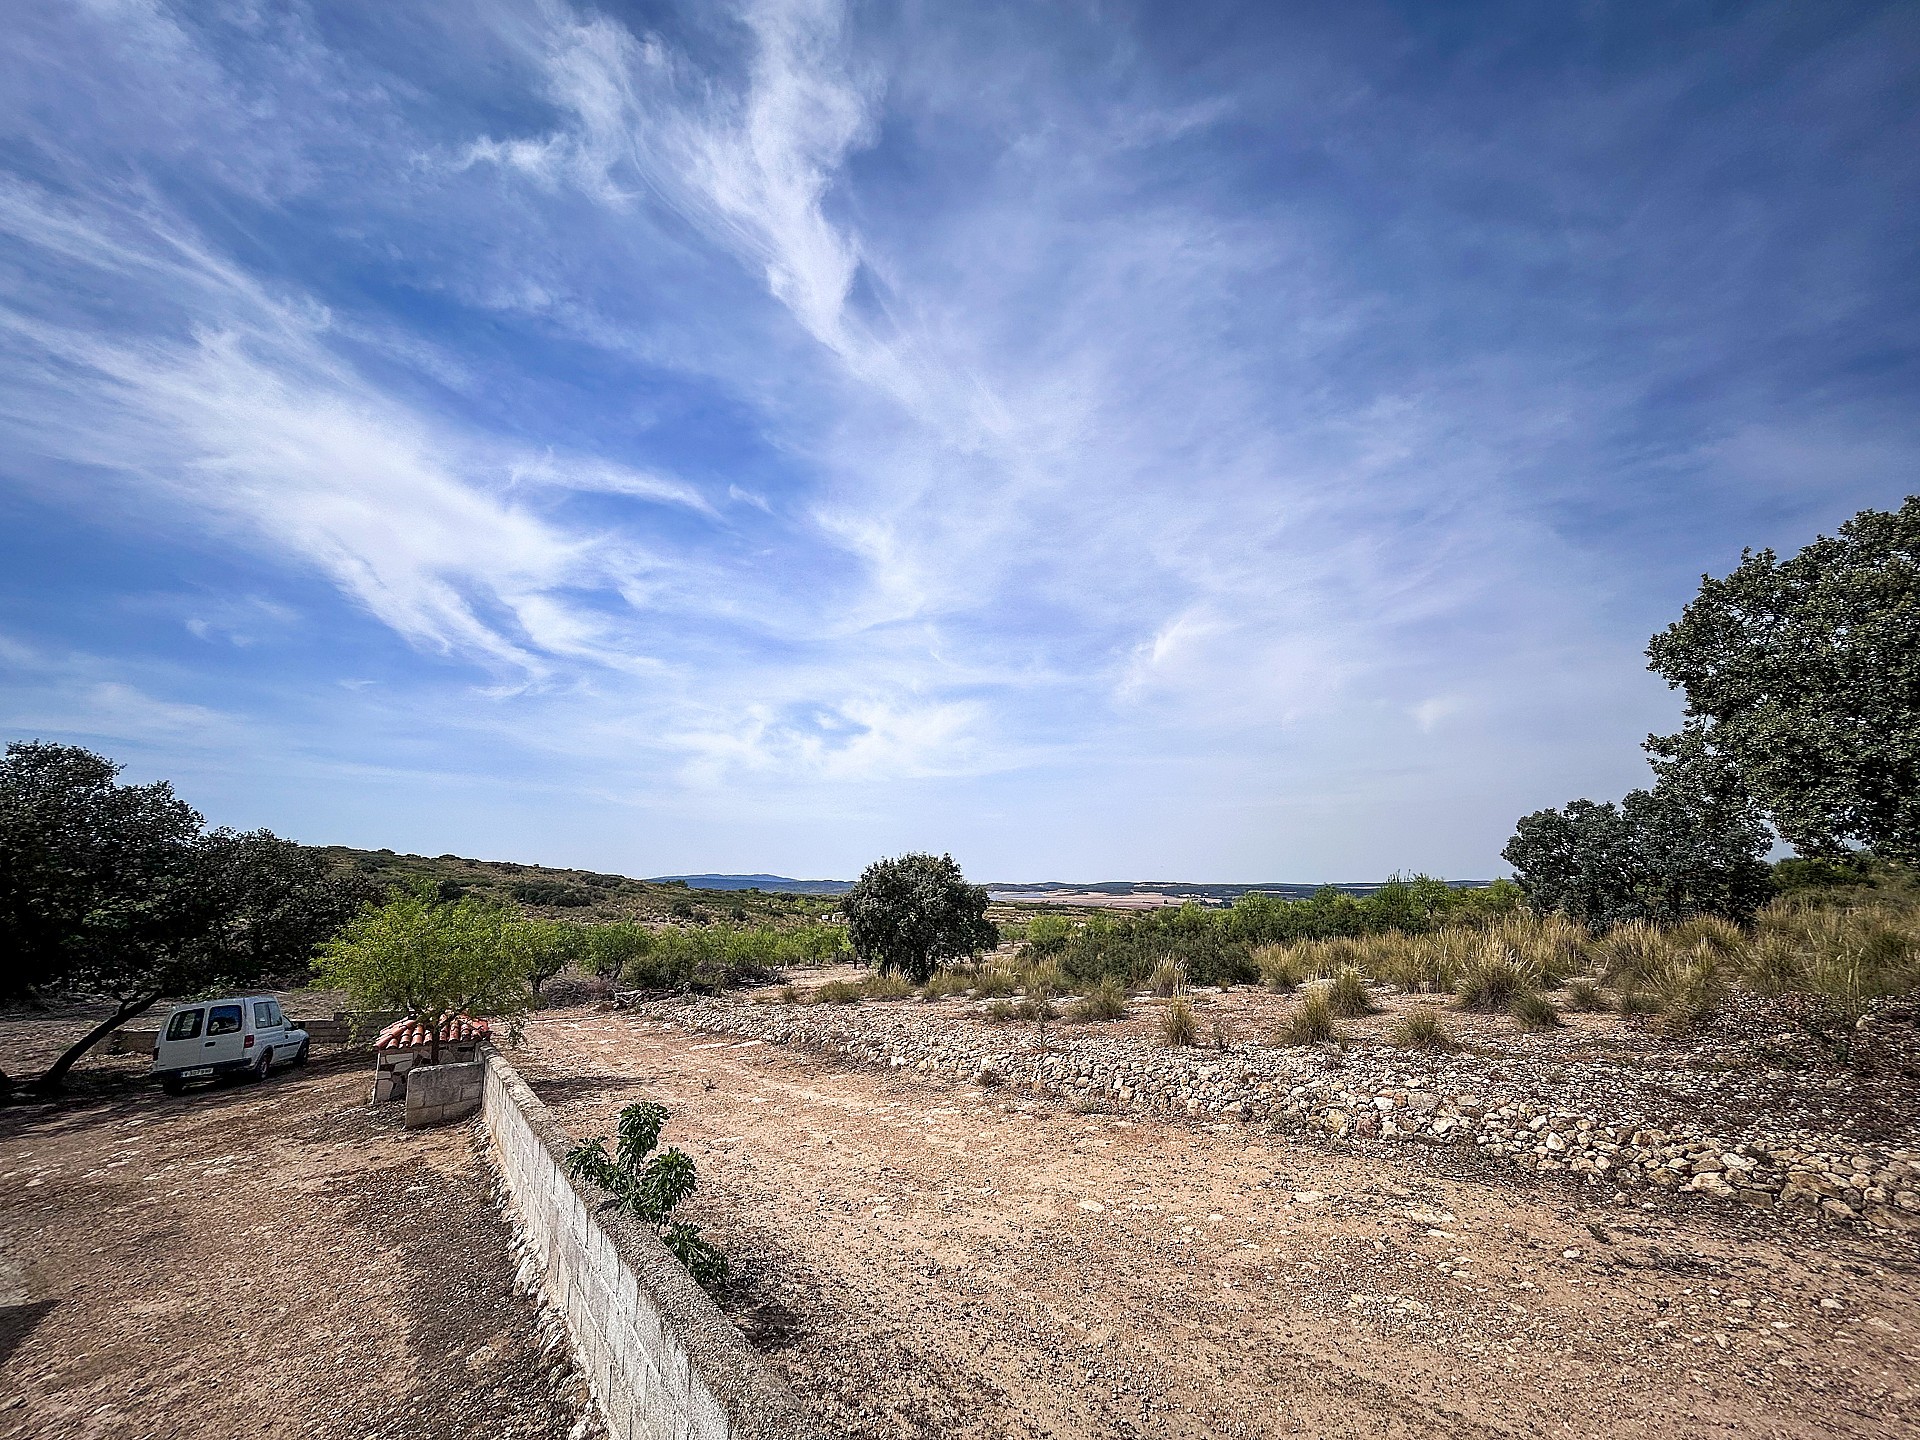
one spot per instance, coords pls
(1630, 1129)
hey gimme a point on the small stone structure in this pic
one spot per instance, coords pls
(407, 1044)
(438, 1093)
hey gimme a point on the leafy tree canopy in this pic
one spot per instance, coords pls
(1802, 679)
(1661, 855)
(433, 959)
(912, 913)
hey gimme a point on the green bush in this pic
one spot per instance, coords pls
(649, 1186)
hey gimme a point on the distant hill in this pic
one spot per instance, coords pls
(578, 894)
(771, 884)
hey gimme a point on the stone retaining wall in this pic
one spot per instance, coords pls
(439, 1093)
(663, 1362)
(1454, 1102)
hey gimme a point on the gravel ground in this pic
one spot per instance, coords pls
(921, 1256)
(275, 1259)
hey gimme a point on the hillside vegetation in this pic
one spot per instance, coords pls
(585, 896)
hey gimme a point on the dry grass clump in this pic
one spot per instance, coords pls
(1165, 980)
(1178, 1027)
(840, 992)
(1282, 967)
(1688, 989)
(946, 981)
(888, 987)
(995, 984)
(1422, 1028)
(999, 1011)
(1630, 1002)
(1312, 1023)
(1552, 946)
(1104, 1001)
(1585, 996)
(1847, 956)
(1534, 1011)
(1492, 976)
(790, 995)
(1633, 952)
(1347, 994)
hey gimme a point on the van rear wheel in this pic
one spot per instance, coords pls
(261, 1066)
(172, 1084)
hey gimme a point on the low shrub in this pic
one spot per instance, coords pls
(1036, 1005)
(1422, 1028)
(1312, 1023)
(1347, 994)
(1105, 1000)
(944, 982)
(1534, 1011)
(649, 1185)
(999, 1011)
(790, 995)
(1178, 1027)
(840, 992)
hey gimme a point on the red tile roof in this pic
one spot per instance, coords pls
(411, 1034)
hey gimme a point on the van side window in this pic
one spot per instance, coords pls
(185, 1025)
(266, 1014)
(223, 1020)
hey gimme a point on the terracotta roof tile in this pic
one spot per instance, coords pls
(411, 1034)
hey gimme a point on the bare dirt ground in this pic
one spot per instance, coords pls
(925, 1257)
(274, 1259)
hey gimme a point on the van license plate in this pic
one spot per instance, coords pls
(200, 1074)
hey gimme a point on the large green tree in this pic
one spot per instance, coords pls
(433, 959)
(1682, 848)
(112, 891)
(1802, 679)
(912, 913)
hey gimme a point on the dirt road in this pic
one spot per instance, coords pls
(928, 1258)
(273, 1259)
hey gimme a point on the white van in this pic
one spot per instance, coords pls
(241, 1035)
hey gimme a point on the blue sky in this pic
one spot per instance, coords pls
(1228, 442)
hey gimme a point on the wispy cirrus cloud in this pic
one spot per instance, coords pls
(776, 404)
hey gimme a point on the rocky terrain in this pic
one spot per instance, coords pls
(1715, 1117)
(923, 1253)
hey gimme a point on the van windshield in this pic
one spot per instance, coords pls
(223, 1020)
(185, 1025)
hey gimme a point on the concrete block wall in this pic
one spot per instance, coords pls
(438, 1093)
(664, 1363)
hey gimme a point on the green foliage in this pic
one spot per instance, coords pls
(1585, 996)
(1661, 855)
(611, 948)
(911, 913)
(1047, 936)
(649, 1186)
(432, 959)
(1802, 679)
(113, 890)
(1422, 1028)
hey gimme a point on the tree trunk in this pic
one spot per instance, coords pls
(55, 1078)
